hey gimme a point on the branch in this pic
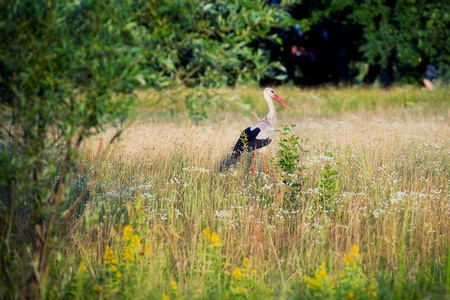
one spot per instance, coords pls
(80, 197)
(3, 126)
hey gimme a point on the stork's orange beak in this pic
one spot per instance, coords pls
(281, 101)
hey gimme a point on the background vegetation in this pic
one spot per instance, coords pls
(396, 39)
(156, 213)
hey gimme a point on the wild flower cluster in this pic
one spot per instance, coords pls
(242, 279)
(110, 260)
(350, 282)
(116, 266)
(321, 281)
(213, 237)
(352, 257)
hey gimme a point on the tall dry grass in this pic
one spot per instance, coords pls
(167, 180)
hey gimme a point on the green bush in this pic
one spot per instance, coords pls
(289, 162)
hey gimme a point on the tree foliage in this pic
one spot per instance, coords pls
(407, 30)
(206, 43)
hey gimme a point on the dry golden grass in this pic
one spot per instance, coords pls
(393, 198)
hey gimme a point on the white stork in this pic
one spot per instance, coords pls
(259, 135)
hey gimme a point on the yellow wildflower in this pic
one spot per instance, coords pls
(244, 290)
(321, 271)
(372, 287)
(173, 284)
(373, 283)
(320, 280)
(352, 256)
(97, 288)
(348, 259)
(127, 233)
(109, 256)
(136, 242)
(119, 275)
(113, 268)
(207, 233)
(215, 240)
(166, 297)
(83, 267)
(237, 273)
(351, 295)
(127, 254)
(147, 249)
(329, 280)
(313, 283)
(246, 262)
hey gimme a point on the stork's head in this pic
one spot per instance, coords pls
(271, 93)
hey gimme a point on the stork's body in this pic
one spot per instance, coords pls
(257, 137)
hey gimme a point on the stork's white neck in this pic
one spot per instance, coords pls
(271, 116)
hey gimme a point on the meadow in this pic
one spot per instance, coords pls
(364, 212)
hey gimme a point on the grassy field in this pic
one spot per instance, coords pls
(167, 219)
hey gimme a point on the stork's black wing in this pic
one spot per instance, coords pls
(249, 142)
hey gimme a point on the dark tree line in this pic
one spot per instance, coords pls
(396, 41)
